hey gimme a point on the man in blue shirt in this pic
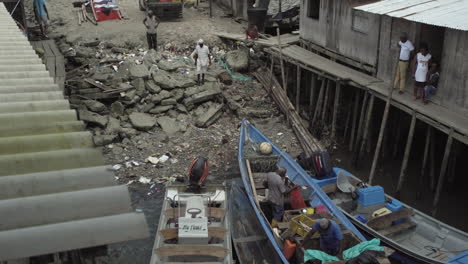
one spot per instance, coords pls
(42, 16)
(330, 235)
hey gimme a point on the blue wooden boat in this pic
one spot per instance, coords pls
(421, 239)
(249, 135)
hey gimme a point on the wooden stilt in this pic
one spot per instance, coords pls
(409, 142)
(424, 161)
(348, 121)
(398, 135)
(432, 163)
(381, 134)
(319, 102)
(313, 82)
(281, 57)
(453, 164)
(335, 108)
(369, 137)
(443, 170)
(325, 101)
(298, 87)
(366, 130)
(355, 112)
(271, 72)
(361, 120)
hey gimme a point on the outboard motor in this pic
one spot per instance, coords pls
(198, 171)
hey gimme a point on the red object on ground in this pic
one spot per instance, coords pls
(296, 199)
(102, 13)
(289, 249)
(321, 209)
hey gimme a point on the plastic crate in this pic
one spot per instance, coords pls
(321, 209)
(301, 225)
(362, 219)
(371, 195)
(394, 205)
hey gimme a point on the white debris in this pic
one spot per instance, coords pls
(117, 167)
(116, 178)
(174, 161)
(279, 134)
(128, 164)
(110, 146)
(152, 160)
(130, 182)
(135, 163)
(144, 180)
(163, 158)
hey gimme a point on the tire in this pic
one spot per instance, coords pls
(141, 4)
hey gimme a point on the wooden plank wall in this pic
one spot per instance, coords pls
(453, 85)
(53, 59)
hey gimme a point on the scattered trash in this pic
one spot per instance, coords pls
(116, 178)
(144, 180)
(110, 146)
(174, 161)
(152, 160)
(135, 163)
(130, 182)
(138, 210)
(117, 167)
(279, 134)
(163, 158)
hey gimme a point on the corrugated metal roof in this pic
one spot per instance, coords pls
(443, 13)
(56, 194)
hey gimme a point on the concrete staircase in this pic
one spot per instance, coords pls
(55, 192)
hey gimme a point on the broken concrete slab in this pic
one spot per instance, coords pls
(181, 108)
(202, 97)
(165, 94)
(139, 84)
(170, 125)
(127, 132)
(177, 94)
(152, 87)
(161, 109)
(195, 89)
(253, 112)
(170, 65)
(117, 109)
(169, 101)
(103, 140)
(113, 126)
(209, 116)
(142, 121)
(170, 81)
(238, 60)
(144, 108)
(139, 71)
(151, 57)
(156, 99)
(93, 118)
(95, 106)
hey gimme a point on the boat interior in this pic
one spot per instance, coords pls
(193, 227)
(296, 224)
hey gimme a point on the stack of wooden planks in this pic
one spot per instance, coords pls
(271, 84)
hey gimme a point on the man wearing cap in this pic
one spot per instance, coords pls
(330, 235)
(406, 48)
(202, 61)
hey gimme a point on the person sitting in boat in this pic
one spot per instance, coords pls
(330, 235)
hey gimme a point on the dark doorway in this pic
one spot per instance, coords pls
(434, 37)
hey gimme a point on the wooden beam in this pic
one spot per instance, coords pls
(335, 108)
(409, 142)
(443, 171)
(191, 250)
(424, 161)
(281, 57)
(325, 101)
(319, 103)
(361, 120)
(298, 87)
(381, 133)
(348, 121)
(211, 211)
(432, 163)
(353, 129)
(313, 83)
(366, 130)
(213, 231)
(252, 183)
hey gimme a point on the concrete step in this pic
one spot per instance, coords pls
(20, 51)
(12, 120)
(23, 74)
(51, 127)
(28, 97)
(27, 81)
(22, 107)
(48, 142)
(18, 56)
(15, 44)
(21, 61)
(49, 161)
(30, 88)
(27, 68)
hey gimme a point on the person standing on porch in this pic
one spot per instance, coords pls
(421, 68)
(151, 22)
(406, 48)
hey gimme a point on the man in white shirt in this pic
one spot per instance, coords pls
(406, 48)
(202, 61)
(421, 69)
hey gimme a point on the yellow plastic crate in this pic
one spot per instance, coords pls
(301, 225)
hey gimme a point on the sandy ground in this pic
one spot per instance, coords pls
(194, 25)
